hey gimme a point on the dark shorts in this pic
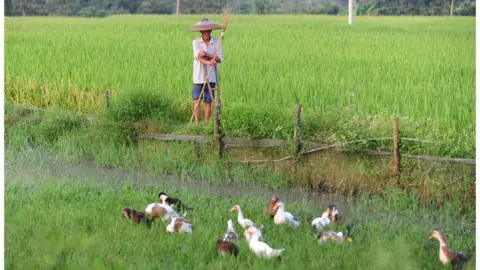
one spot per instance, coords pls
(197, 89)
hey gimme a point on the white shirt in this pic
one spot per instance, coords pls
(200, 45)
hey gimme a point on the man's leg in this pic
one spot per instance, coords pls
(208, 102)
(208, 111)
(196, 110)
(196, 91)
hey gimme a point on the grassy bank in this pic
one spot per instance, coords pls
(65, 224)
(350, 80)
(110, 141)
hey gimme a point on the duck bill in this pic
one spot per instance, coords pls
(431, 237)
(233, 209)
(349, 239)
(275, 207)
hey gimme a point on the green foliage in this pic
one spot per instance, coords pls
(258, 122)
(27, 126)
(65, 224)
(362, 7)
(56, 123)
(122, 121)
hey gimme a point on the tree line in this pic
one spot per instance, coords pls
(101, 8)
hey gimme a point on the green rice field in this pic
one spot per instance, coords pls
(421, 69)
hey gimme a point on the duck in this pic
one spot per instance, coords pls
(330, 216)
(224, 246)
(281, 216)
(177, 203)
(259, 248)
(159, 210)
(136, 216)
(179, 225)
(447, 255)
(258, 232)
(270, 211)
(244, 222)
(334, 214)
(231, 234)
(336, 237)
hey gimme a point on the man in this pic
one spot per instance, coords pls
(204, 48)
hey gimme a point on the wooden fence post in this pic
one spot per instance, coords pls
(396, 149)
(217, 132)
(107, 99)
(296, 138)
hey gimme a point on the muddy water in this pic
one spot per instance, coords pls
(38, 166)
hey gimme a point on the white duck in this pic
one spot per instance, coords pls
(179, 225)
(244, 222)
(281, 216)
(259, 248)
(258, 233)
(329, 216)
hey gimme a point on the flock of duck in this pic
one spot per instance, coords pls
(228, 243)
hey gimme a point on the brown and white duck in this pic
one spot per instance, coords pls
(134, 215)
(446, 254)
(179, 225)
(270, 208)
(159, 210)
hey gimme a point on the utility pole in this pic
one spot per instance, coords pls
(350, 11)
(178, 7)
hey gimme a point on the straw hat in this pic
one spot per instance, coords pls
(205, 24)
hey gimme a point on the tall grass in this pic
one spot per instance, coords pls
(420, 68)
(64, 224)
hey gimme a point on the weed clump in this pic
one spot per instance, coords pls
(132, 113)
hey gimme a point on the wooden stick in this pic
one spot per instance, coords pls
(107, 99)
(396, 148)
(296, 138)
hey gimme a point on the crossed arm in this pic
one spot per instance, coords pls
(202, 55)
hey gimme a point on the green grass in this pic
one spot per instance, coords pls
(350, 79)
(65, 224)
